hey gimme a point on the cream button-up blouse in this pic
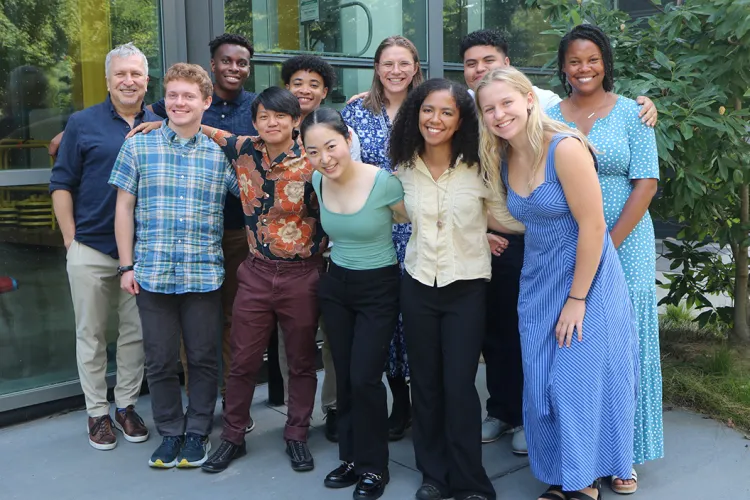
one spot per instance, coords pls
(449, 223)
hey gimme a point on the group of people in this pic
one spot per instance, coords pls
(425, 225)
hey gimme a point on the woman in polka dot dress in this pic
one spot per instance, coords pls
(628, 173)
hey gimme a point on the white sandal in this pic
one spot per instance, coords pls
(624, 489)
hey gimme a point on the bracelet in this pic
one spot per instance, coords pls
(577, 298)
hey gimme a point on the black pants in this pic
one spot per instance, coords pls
(444, 328)
(360, 310)
(502, 343)
(199, 317)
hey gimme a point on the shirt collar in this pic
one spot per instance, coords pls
(294, 152)
(114, 112)
(171, 136)
(239, 100)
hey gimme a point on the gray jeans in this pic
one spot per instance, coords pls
(198, 316)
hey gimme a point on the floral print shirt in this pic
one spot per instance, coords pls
(282, 215)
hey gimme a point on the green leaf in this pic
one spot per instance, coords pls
(686, 130)
(737, 176)
(662, 59)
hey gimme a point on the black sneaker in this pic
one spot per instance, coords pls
(342, 476)
(194, 451)
(332, 426)
(300, 456)
(165, 456)
(371, 485)
(222, 457)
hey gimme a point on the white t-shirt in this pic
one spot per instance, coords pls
(547, 98)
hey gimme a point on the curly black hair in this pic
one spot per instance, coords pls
(489, 37)
(230, 39)
(308, 63)
(593, 34)
(406, 139)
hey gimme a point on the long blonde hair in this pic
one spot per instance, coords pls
(375, 99)
(493, 150)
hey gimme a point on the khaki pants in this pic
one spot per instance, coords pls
(328, 391)
(93, 284)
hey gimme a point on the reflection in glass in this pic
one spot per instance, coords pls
(37, 327)
(521, 24)
(344, 28)
(52, 65)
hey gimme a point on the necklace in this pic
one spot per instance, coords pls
(600, 106)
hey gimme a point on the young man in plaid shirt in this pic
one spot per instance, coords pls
(172, 185)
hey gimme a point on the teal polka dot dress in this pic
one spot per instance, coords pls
(627, 151)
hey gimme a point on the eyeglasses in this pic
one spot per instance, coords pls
(402, 65)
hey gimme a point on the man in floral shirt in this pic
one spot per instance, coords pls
(279, 279)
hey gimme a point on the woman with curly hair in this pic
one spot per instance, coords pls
(447, 195)
(397, 71)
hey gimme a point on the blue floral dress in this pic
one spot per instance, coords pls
(374, 132)
(626, 150)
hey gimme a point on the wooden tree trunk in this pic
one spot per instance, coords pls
(741, 332)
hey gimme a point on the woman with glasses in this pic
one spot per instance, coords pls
(397, 71)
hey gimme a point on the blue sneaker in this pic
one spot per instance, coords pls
(165, 456)
(194, 451)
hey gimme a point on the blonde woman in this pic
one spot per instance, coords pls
(578, 337)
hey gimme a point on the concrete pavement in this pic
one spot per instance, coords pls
(51, 459)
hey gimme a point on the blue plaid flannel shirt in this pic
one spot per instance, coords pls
(180, 188)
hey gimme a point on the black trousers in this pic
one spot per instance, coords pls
(360, 310)
(444, 328)
(502, 342)
(199, 317)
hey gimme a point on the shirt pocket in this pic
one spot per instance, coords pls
(468, 206)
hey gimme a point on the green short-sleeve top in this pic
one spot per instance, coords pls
(362, 240)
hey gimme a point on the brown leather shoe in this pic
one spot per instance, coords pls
(101, 436)
(131, 425)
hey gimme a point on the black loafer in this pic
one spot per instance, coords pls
(371, 486)
(300, 456)
(223, 456)
(342, 476)
(429, 492)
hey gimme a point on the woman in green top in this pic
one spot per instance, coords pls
(358, 295)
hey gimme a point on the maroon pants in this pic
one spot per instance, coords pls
(271, 291)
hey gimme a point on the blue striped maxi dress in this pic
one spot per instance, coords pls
(579, 402)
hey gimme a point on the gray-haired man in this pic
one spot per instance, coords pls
(85, 208)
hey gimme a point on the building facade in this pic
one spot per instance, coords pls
(52, 64)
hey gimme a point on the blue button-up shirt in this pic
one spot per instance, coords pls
(180, 187)
(233, 116)
(89, 147)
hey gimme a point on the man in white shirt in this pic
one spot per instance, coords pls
(482, 51)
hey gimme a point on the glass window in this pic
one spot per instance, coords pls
(52, 64)
(637, 8)
(522, 27)
(327, 27)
